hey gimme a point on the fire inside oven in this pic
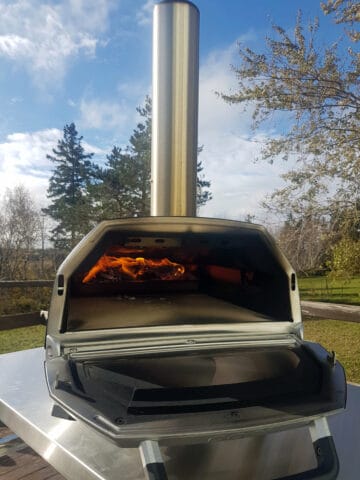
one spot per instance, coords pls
(142, 280)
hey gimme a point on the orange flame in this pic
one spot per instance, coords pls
(137, 268)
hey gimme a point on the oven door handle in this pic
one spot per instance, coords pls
(325, 452)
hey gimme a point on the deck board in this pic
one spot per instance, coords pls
(22, 463)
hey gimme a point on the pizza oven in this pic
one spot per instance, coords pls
(160, 327)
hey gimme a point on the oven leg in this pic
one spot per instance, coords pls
(327, 469)
(326, 456)
(152, 460)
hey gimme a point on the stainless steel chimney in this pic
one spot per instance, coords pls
(175, 108)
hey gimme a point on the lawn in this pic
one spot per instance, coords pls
(342, 337)
(322, 289)
(21, 338)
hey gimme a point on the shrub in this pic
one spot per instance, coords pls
(345, 262)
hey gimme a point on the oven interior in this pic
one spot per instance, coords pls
(132, 280)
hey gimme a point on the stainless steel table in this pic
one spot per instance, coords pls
(79, 452)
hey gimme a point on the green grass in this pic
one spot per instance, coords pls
(21, 338)
(343, 338)
(322, 289)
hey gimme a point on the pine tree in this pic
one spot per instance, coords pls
(71, 206)
(124, 183)
(140, 150)
(203, 195)
(124, 188)
(119, 193)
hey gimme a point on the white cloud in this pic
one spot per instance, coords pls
(23, 161)
(42, 37)
(216, 76)
(27, 151)
(144, 15)
(230, 148)
(91, 15)
(14, 46)
(134, 91)
(88, 148)
(103, 114)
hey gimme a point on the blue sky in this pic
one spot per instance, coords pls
(89, 62)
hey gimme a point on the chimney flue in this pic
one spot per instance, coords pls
(175, 108)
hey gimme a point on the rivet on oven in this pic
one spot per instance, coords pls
(49, 352)
(119, 420)
(234, 415)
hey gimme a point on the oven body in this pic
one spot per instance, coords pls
(181, 329)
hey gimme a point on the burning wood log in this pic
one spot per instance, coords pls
(115, 269)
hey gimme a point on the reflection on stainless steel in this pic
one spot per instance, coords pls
(175, 109)
(85, 454)
(55, 434)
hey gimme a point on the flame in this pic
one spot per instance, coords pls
(137, 268)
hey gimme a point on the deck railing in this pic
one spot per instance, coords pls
(8, 322)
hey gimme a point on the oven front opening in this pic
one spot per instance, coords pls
(148, 280)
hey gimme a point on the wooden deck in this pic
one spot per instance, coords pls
(21, 462)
